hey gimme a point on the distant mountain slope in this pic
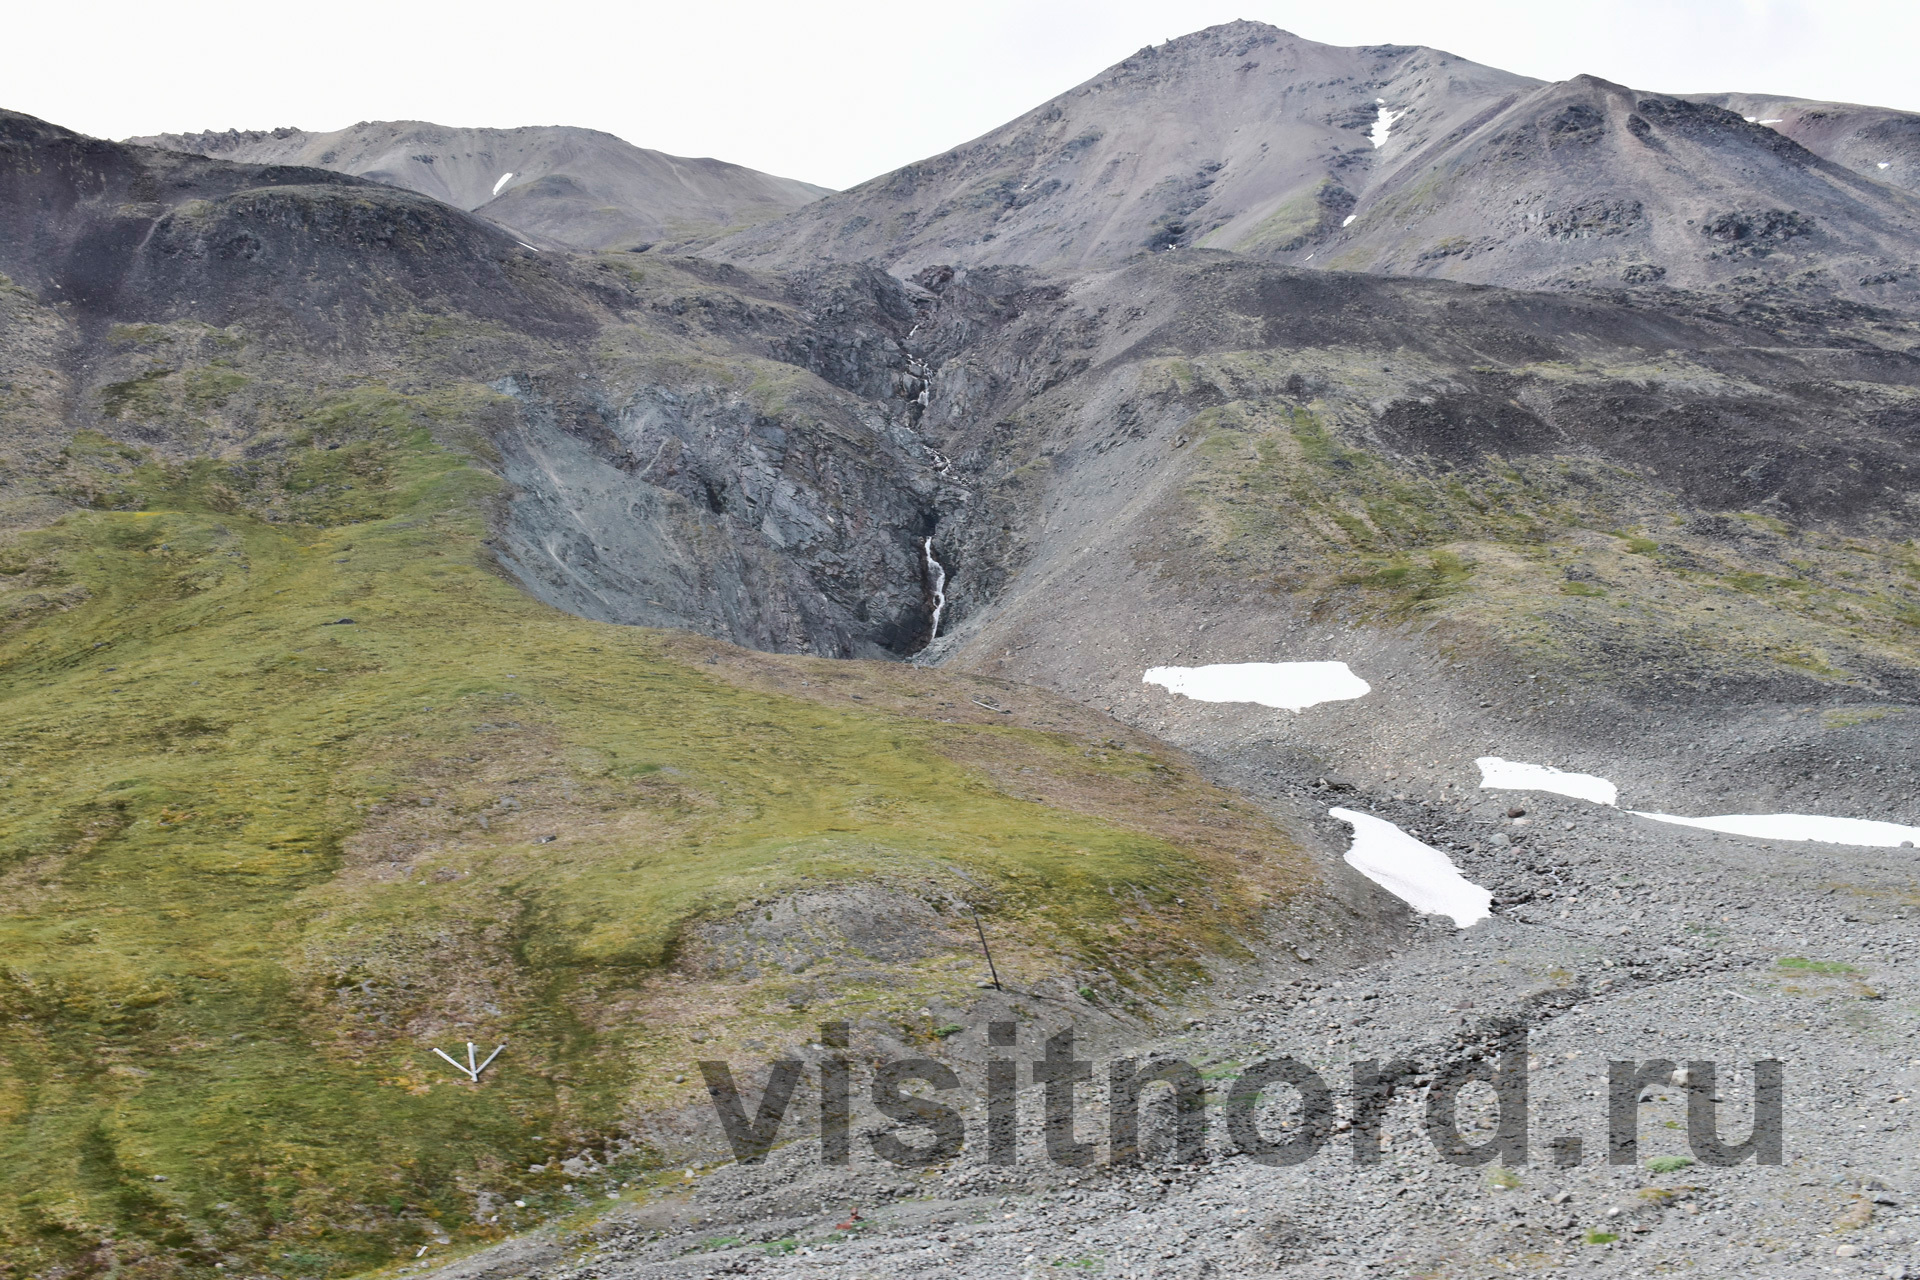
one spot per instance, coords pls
(1241, 136)
(1393, 159)
(576, 187)
(1882, 143)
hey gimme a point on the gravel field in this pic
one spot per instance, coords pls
(1613, 938)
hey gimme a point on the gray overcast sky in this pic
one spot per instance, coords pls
(837, 92)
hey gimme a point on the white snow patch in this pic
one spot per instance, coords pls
(1886, 164)
(1419, 875)
(1751, 119)
(1800, 826)
(1348, 220)
(1775, 120)
(1293, 685)
(1514, 775)
(524, 245)
(1382, 124)
(504, 179)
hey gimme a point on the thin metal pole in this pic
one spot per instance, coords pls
(985, 950)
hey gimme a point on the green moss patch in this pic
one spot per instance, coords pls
(1539, 555)
(295, 787)
(1824, 968)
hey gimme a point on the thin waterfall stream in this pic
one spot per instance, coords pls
(937, 581)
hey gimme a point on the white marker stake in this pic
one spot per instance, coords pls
(470, 1071)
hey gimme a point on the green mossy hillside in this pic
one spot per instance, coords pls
(295, 786)
(1565, 558)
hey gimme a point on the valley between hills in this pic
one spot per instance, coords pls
(513, 588)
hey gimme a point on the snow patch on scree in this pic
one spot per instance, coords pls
(1293, 685)
(1382, 124)
(1419, 875)
(1514, 775)
(505, 178)
(1800, 826)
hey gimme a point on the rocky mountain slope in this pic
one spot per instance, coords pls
(385, 279)
(300, 782)
(1692, 947)
(558, 185)
(1244, 436)
(1390, 159)
(411, 633)
(1879, 142)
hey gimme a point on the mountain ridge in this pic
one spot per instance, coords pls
(349, 544)
(1880, 142)
(1391, 159)
(563, 185)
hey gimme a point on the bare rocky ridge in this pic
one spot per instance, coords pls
(1390, 159)
(560, 185)
(1879, 142)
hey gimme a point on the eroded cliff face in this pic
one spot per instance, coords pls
(683, 443)
(699, 502)
(760, 478)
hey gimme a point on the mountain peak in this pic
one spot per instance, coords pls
(1394, 159)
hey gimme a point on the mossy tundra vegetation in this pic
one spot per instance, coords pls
(301, 780)
(1574, 560)
(298, 786)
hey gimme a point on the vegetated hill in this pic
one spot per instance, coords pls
(299, 784)
(1882, 143)
(295, 462)
(743, 536)
(1264, 462)
(564, 186)
(1391, 159)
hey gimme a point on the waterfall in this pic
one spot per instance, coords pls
(937, 580)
